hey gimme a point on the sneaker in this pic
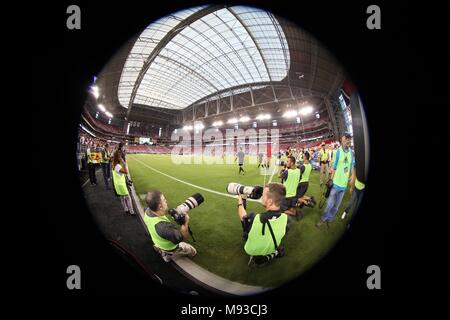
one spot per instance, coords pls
(320, 223)
(251, 262)
(343, 215)
(166, 257)
(257, 262)
(127, 212)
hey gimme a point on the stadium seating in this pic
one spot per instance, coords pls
(148, 149)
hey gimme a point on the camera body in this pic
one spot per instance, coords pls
(328, 185)
(179, 213)
(251, 192)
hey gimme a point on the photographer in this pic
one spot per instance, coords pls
(291, 178)
(92, 160)
(341, 173)
(263, 232)
(167, 239)
(106, 166)
(305, 171)
(323, 161)
(357, 191)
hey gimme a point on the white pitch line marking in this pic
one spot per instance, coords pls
(190, 184)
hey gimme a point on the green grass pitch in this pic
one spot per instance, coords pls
(216, 225)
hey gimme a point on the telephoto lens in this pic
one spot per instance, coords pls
(251, 192)
(194, 201)
(180, 212)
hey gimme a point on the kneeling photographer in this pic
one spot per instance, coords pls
(291, 178)
(263, 232)
(167, 239)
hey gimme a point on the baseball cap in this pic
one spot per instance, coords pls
(347, 134)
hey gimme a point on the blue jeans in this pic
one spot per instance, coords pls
(333, 203)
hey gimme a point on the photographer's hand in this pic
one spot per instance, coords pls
(186, 220)
(241, 209)
(184, 229)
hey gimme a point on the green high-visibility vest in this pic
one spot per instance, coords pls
(359, 185)
(88, 155)
(291, 182)
(107, 156)
(260, 245)
(343, 169)
(120, 183)
(160, 242)
(306, 173)
(323, 155)
(334, 154)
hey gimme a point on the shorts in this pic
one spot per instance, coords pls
(301, 189)
(288, 203)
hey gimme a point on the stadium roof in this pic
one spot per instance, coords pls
(216, 61)
(208, 51)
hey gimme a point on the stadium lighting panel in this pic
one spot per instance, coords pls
(306, 110)
(290, 114)
(232, 120)
(244, 119)
(95, 91)
(263, 117)
(217, 123)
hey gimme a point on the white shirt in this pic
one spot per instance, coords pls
(118, 167)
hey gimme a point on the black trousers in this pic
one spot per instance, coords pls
(92, 177)
(106, 168)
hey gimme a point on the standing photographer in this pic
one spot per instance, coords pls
(167, 238)
(342, 169)
(357, 192)
(106, 166)
(323, 161)
(263, 232)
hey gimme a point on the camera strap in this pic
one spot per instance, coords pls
(271, 233)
